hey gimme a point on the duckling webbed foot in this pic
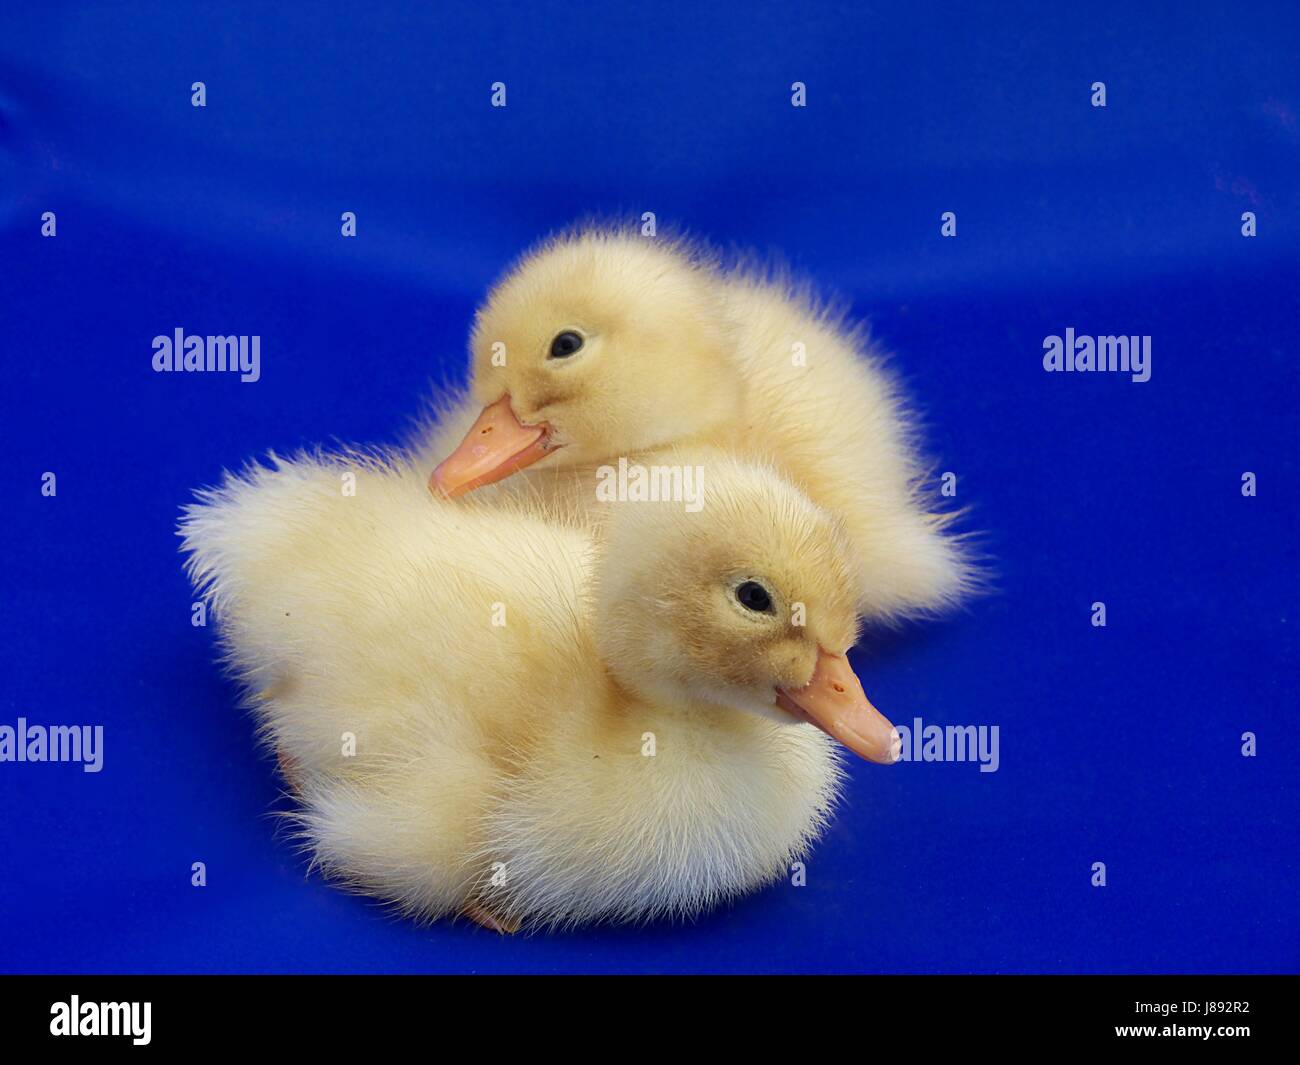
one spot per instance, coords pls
(481, 915)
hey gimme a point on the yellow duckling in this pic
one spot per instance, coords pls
(505, 717)
(604, 344)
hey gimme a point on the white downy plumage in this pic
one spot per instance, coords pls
(677, 350)
(589, 759)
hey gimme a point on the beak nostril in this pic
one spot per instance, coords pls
(839, 688)
(485, 430)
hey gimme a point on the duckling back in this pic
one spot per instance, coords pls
(359, 608)
(821, 406)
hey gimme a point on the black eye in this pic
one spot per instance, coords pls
(753, 596)
(565, 345)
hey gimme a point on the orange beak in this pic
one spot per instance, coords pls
(835, 702)
(496, 446)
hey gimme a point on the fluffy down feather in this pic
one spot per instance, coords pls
(680, 350)
(610, 752)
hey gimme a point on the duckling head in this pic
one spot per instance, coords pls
(745, 603)
(599, 343)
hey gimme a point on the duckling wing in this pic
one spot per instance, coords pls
(360, 608)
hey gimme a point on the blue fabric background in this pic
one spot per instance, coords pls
(1119, 744)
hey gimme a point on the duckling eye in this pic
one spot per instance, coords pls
(753, 596)
(565, 345)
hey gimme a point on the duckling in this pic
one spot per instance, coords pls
(634, 739)
(603, 344)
